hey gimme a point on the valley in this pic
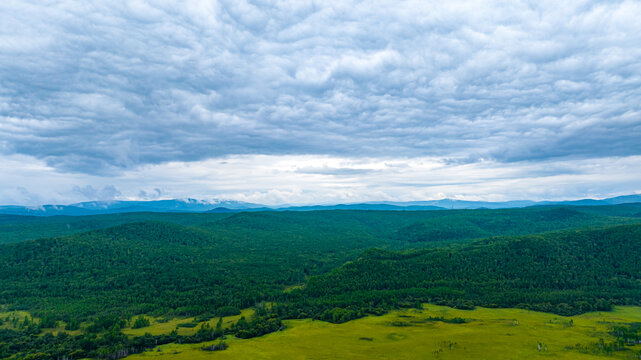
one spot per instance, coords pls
(413, 334)
(165, 284)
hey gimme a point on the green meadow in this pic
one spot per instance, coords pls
(422, 334)
(158, 325)
(161, 326)
(327, 285)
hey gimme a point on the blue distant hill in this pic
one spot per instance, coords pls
(193, 205)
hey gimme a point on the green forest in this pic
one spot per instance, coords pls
(95, 273)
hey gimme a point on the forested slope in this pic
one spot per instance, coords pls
(165, 268)
(460, 225)
(420, 226)
(15, 228)
(625, 210)
(148, 267)
(229, 259)
(565, 272)
(225, 262)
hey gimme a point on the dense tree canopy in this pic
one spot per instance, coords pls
(566, 272)
(349, 263)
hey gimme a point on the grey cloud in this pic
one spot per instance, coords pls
(20, 195)
(108, 192)
(340, 171)
(98, 88)
(156, 193)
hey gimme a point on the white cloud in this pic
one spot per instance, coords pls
(109, 88)
(297, 179)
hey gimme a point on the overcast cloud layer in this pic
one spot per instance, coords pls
(96, 98)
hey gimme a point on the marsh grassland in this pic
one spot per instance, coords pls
(153, 289)
(435, 332)
(161, 326)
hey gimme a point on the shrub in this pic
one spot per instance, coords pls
(141, 322)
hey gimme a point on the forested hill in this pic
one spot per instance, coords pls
(563, 272)
(458, 225)
(229, 260)
(15, 228)
(440, 226)
(148, 267)
(216, 264)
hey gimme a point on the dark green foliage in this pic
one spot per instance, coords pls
(216, 347)
(440, 229)
(106, 322)
(455, 320)
(188, 325)
(341, 315)
(15, 228)
(219, 327)
(259, 325)
(233, 261)
(203, 317)
(167, 269)
(204, 333)
(72, 325)
(113, 344)
(48, 322)
(625, 336)
(628, 335)
(624, 210)
(227, 311)
(460, 225)
(140, 322)
(566, 273)
(136, 268)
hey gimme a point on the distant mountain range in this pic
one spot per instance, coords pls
(464, 204)
(193, 205)
(116, 206)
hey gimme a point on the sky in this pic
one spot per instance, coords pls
(301, 102)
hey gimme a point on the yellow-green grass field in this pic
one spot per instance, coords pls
(159, 326)
(20, 315)
(408, 334)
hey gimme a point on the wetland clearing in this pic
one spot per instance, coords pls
(431, 333)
